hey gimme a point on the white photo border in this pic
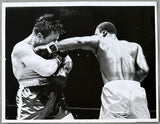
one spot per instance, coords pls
(80, 3)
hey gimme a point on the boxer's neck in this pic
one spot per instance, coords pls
(32, 40)
(112, 36)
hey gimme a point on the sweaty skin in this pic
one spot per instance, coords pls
(118, 59)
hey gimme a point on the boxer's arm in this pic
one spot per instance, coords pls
(142, 69)
(61, 77)
(86, 43)
(38, 64)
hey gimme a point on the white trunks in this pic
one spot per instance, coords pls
(123, 99)
(40, 100)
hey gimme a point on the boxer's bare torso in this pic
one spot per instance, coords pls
(20, 70)
(116, 59)
(119, 60)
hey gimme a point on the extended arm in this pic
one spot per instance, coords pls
(142, 69)
(86, 43)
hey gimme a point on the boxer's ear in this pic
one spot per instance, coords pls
(39, 35)
(104, 32)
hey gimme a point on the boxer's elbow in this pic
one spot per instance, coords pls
(47, 73)
(49, 70)
(142, 74)
(146, 70)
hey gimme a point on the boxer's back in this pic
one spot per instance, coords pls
(20, 70)
(117, 59)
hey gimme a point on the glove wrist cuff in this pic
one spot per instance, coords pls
(52, 48)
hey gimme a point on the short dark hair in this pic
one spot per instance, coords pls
(108, 26)
(47, 23)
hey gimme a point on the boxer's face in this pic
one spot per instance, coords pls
(97, 32)
(103, 33)
(52, 37)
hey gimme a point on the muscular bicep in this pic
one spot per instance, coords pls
(38, 64)
(141, 60)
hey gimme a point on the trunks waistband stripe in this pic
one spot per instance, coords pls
(33, 82)
(122, 82)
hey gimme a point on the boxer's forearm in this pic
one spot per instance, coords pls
(36, 63)
(46, 68)
(42, 52)
(86, 43)
(69, 44)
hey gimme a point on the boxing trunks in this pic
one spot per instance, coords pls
(123, 99)
(40, 100)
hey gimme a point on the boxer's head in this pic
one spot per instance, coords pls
(104, 28)
(47, 28)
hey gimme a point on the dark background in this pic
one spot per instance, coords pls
(135, 24)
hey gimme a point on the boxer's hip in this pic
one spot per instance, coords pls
(33, 104)
(120, 98)
(32, 97)
(124, 88)
(38, 101)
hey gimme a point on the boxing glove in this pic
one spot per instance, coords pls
(52, 48)
(42, 51)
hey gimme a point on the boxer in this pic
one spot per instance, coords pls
(41, 77)
(123, 67)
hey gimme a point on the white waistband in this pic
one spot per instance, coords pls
(122, 82)
(33, 82)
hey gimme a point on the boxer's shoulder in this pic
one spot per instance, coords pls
(21, 49)
(130, 44)
(127, 45)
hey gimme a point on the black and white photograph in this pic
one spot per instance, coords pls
(79, 62)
